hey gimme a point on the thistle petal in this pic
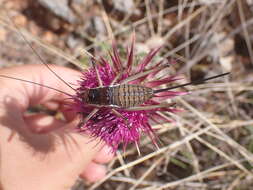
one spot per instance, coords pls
(147, 59)
(144, 75)
(166, 80)
(130, 55)
(116, 56)
(115, 63)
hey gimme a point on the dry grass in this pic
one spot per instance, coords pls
(209, 145)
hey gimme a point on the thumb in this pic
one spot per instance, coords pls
(31, 94)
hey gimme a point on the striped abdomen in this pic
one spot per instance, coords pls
(124, 96)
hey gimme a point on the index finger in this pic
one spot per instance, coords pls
(28, 94)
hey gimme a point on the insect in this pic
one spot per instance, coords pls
(126, 96)
(113, 102)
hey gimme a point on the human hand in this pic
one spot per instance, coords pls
(38, 151)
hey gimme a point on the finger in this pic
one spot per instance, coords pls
(67, 111)
(42, 123)
(28, 94)
(105, 155)
(52, 105)
(93, 172)
(64, 108)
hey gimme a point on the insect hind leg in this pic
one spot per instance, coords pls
(115, 112)
(127, 124)
(140, 108)
(87, 118)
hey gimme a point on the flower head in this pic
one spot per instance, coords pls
(120, 125)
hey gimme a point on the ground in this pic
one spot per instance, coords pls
(208, 145)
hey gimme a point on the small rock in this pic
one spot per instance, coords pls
(209, 2)
(141, 48)
(96, 27)
(73, 42)
(223, 50)
(250, 2)
(49, 37)
(154, 42)
(124, 6)
(60, 8)
(79, 2)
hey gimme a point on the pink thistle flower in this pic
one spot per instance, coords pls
(117, 125)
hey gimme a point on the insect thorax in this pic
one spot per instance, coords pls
(122, 96)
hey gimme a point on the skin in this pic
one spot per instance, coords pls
(38, 151)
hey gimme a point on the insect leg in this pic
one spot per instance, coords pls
(119, 115)
(100, 82)
(116, 78)
(87, 118)
(140, 108)
(126, 122)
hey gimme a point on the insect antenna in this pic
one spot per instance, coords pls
(31, 82)
(197, 82)
(37, 54)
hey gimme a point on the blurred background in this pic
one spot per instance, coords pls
(208, 145)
